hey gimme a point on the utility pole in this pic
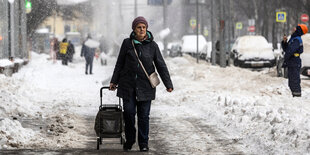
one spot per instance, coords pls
(213, 52)
(12, 31)
(221, 28)
(136, 9)
(197, 30)
(229, 32)
(165, 25)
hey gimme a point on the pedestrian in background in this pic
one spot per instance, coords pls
(54, 49)
(133, 85)
(293, 48)
(88, 51)
(71, 51)
(63, 49)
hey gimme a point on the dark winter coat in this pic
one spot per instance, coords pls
(294, 45)
(128, 73)
(87, 52)
(71, 50)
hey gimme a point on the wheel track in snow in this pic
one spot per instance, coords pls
(190, 136)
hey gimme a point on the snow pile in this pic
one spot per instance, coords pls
(5, 63)
(250, 47)
(12, 134)
(252, 111)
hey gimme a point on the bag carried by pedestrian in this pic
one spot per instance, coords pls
(153, 78)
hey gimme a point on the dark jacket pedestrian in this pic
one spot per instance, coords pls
(293, 49)
(88, 52)
(71, 51)
(133, 85)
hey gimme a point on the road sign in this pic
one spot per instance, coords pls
(304, 18)
(239, 25)
(28, 6)
(193, 22)
(251, 22)
(251, 28)
(206, 32)
(281, 17)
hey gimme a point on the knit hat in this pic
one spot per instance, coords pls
(138, 20)
(304, 28)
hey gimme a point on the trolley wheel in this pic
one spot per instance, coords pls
(98, 143)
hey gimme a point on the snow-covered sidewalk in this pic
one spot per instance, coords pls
(232, 110)
(211, 110)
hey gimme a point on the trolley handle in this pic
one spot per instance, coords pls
(107, 87)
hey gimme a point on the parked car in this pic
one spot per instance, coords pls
(252, 52)
(189, 46)
(175, 50)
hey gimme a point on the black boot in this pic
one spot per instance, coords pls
(296, 94)
(144, 148)
(127, 146)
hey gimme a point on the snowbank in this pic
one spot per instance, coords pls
(5, 63)
(252, 111)
(13, 135)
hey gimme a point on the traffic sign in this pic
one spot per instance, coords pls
(193, 22)
(304, 18)
(206, 32)
(251, 28)
(239, 25)
(281, 17)
(28, 6)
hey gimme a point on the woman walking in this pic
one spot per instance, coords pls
(134, 86)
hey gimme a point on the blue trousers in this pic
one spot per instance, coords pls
(89, 62)
(142, 108)
(294, 79)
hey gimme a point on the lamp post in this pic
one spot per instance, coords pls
(197, 30)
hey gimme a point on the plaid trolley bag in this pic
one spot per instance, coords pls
(109, 121)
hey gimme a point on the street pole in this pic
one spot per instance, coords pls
(165, 25)
(222, 27)
(197, 30)
(229, 32)
(213, 52)
(136, 9)
(12, 31)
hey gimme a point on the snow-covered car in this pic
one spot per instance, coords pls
(252, 52)
(175, 50)
(189, 45)
(305, 56)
